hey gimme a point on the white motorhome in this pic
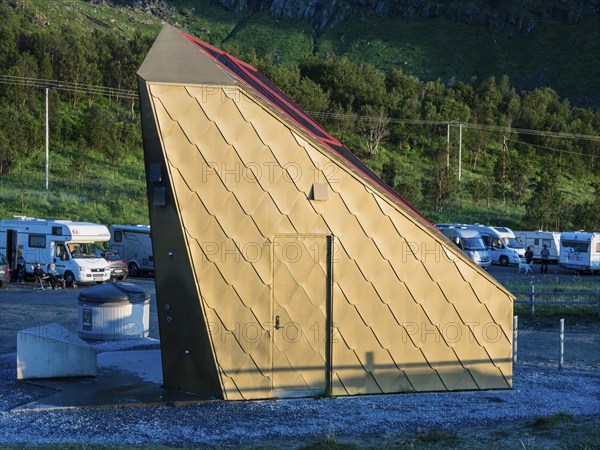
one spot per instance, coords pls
(71, 246)
(469, 241)
(501, 243)
(537, 239)
(580, 251)
(134, 243)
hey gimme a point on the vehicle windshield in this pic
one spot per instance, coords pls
(112, 256)
(473, 244)
(512, 243)
(86, 250)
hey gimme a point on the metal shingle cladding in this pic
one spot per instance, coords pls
(408, 311)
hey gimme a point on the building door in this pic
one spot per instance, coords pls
(11, 248)
(301, 315)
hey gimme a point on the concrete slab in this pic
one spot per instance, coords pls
(123, 378)
(50, 351)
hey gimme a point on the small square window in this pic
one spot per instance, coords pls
(37, 241)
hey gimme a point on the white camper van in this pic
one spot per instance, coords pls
(537, 239)
(469, 241)
(580, 251)
(134, 243)
(501, 243)
(69, 245)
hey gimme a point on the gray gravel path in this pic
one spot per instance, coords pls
(376, 419)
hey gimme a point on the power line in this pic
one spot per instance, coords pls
(509, 130)
(133, 95)
(69, 86)
(554, 149)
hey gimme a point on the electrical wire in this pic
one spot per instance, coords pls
(509, 130)
(133, 95)
(553, 149)
(69, 86)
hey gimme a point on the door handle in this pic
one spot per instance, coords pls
(277, 326)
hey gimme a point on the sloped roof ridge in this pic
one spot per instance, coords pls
(249, 75)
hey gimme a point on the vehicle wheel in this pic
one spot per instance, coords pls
(134, 270)
(69, 278)
(503, 261)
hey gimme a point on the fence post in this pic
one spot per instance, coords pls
(532, 300)
(562, 344)
(515, 337)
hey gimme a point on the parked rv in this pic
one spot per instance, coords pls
(134, 243)
(501, 243)
(71, 246)
(580, 251)
(537, 239)
(469, 241)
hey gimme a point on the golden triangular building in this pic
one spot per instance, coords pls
(284, 267)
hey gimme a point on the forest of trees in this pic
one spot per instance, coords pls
(529, 159)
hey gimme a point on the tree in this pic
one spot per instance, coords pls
(543, 210)
(442, 186)
(374, 127)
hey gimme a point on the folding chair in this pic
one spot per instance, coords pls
(41, 283)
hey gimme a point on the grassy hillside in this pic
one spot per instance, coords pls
(83, 185)
(96, 164)
(562, 56)
(557, 54)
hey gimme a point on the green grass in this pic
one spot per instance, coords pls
(576, 283)
(566, 54)
(286, 41)
(87, 15)
(589, 285)
(461, 51)
(102, 191)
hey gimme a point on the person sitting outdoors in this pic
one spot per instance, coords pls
(41, 275)
(55, 277)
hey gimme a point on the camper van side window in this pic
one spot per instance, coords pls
(118, 236)
(598, 247)
(547, 243)
(37, 241)
(57, 231)
(536, 242)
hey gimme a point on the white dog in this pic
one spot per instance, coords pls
(524, 267)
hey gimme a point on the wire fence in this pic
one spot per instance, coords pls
(534, 298)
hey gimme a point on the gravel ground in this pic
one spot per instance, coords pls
(374, 419)
(539, 390)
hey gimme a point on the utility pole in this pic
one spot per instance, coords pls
(459, 150)
(47, 163)
(448, 145)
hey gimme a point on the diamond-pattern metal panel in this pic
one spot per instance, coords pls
(242, 177)
(299, 303)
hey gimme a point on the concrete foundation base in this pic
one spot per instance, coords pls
(52, 351)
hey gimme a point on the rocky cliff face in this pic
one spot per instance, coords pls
(523, 15)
